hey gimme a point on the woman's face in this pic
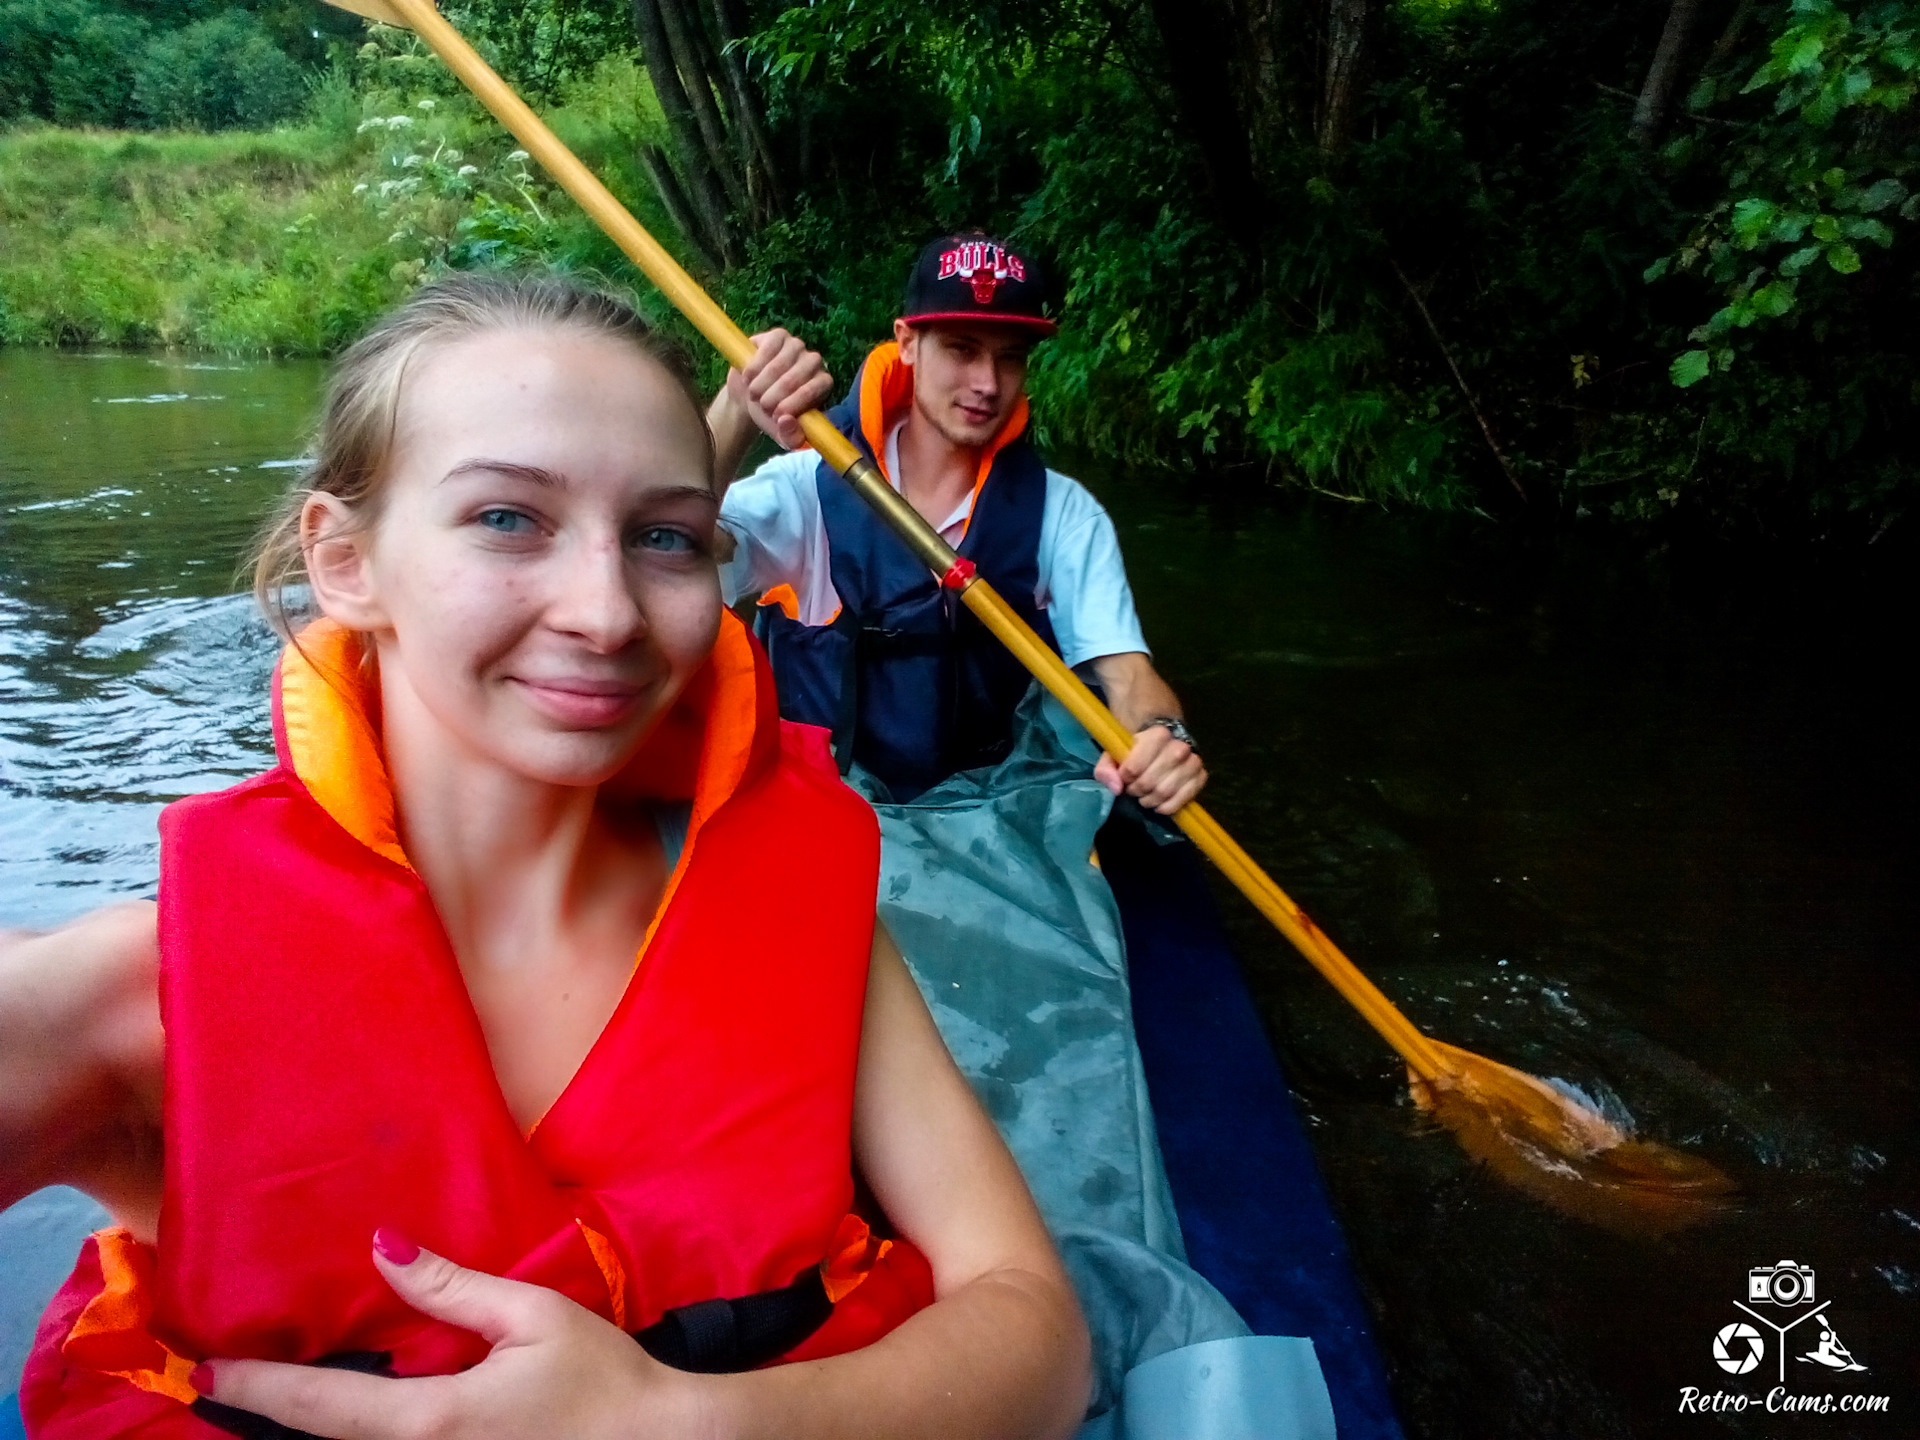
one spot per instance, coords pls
(539, 581)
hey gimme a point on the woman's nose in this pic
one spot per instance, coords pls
(593, 594)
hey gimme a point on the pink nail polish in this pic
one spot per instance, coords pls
(201, 1378)
(395, 1246)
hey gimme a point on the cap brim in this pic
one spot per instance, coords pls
(980, 317)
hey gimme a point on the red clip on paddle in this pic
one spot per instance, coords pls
(959, 575)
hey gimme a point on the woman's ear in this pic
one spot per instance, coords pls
(339, 567)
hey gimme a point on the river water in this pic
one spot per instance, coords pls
(1642, 822)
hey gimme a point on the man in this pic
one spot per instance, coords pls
(863, 639)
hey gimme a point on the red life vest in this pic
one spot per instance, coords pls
(326, 1073)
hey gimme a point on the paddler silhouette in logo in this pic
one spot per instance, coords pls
(1830, 1352)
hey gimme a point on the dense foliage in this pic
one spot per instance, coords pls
(160, 64)
(1650, 259)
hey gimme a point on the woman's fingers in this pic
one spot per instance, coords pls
(336, 1403)
(496, 1309)
(555, 1368)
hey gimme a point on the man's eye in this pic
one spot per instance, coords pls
(506, 522)
(664, 538)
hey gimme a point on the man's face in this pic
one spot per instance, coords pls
(967, 376)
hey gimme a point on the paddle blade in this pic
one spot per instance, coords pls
(378, 10)
(1564, 1152)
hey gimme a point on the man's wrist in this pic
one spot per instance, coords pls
(1175, 727)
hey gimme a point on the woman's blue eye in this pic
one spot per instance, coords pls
(660, 537)
(506, 522)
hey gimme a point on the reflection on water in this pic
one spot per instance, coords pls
(1641, 827)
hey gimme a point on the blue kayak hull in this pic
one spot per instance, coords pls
(1252, 1206)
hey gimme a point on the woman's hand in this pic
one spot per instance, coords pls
(556, 1369)
(80, 1061)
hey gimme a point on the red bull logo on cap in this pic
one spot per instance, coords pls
(984, 265)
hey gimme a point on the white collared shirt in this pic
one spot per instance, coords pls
(774, 516)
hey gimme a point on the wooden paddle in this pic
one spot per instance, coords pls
(1517, 1123)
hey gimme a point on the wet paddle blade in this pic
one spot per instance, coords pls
(1562, 1151)
(378, 10)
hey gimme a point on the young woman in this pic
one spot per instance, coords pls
(401, 1004)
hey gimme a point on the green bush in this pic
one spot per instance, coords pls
(221, 73)
(68, 61)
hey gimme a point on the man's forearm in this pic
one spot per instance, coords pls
(733, 431)
(1135, 691)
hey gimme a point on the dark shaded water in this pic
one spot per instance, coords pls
(1639, 823)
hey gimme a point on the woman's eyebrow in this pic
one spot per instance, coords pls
(512, 469)
(554, 480)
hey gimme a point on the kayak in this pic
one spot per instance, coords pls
(1252, 1205)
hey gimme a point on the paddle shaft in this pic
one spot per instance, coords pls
(733, 343)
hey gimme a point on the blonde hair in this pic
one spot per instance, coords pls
(354, 440)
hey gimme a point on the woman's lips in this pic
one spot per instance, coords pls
(581, 703)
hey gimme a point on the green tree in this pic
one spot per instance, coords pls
(220, 73)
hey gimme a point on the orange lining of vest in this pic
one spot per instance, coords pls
(886, 388)
(111, 1332)
(330, 703)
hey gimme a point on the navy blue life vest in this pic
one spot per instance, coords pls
(912, 686)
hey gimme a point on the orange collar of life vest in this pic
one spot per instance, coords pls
(326, 707)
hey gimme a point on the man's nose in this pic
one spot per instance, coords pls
(593, 595)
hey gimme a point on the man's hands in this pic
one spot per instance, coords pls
(782, 382)
(555, 1369)
(1162, 773)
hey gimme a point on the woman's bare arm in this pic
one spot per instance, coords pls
(80, 1056)
(1004, 1351)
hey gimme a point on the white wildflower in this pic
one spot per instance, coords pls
(425, 105)
(518, 157)
(469, 170)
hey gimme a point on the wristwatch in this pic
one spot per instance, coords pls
(1175, 727)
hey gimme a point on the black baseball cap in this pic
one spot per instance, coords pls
(975, 277)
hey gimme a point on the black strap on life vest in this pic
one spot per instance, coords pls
(723, 1337)
(713, 1337)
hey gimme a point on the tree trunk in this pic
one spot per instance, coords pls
(654, 162)
(746, 105)
(713, 234)
(1346, 52)
(684, 37)
(1650, 110)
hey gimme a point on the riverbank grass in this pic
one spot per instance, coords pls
(228, 241)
